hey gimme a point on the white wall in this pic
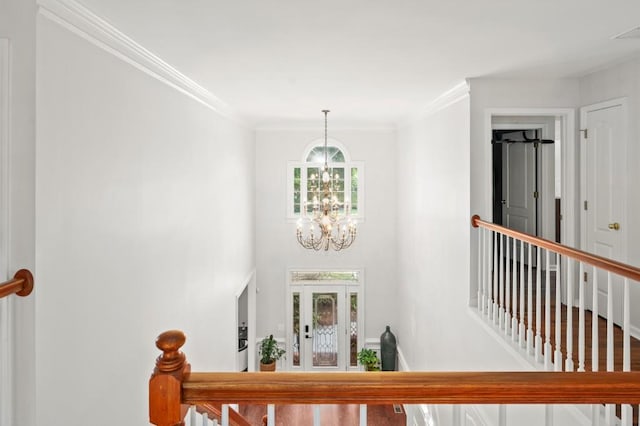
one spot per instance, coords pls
(434, 225)
(277, 248)
(145, 203)
(17, 24)
(616, 82)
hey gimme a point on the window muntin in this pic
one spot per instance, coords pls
(303, 178)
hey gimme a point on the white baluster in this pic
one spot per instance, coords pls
(363, 414)
(271, 415)
(224, 417)
(547, 312)
(502, 415)
(521, 333)
(488, 285)
(558, 353)
(316, 415)
(501, 301)
(581, 323)
(480, 274)
(570, 283)
(205, 420)
(548, 413)
(627, 415)
(496, 273)
(514, 293)
(594, 324)
(595, 414)
(609, 413)
(192, 415)
(507, 312)
(530, 303)
(538, 345)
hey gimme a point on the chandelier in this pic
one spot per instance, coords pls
(325, 221)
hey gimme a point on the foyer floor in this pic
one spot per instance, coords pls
(342, 415)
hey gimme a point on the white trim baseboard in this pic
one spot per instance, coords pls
(81, 21)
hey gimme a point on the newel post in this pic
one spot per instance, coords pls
(165, 385)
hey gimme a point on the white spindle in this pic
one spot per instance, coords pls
(271, 415)
(514, 293)
(627, 416)
(581, 323)
(502, 415)
(538, 346)
(193, 415)
(547, 311)
(507, 312)
(480, 274)
(494, 295)
(570, 284)
(595, 414)
(594, 323)
(609, 413)
(224, 417)
(521, 334)
(501, 301)
(548, 413)
(558, 353)
(205, 420)
(530, 303)
(487, 280)
(316, 415)
(363, 414)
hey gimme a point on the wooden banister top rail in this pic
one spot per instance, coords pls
(21, 284)
(619, 268)
(172, 387)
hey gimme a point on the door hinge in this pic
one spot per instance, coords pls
(585, 277)
(586, 133)
(536, 194)
(585, 204)
(535, 145)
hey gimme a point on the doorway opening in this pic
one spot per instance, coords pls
(527, 174)
(325, 320)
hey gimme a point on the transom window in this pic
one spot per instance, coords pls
(305, 177)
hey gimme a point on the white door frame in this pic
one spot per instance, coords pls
(7, 341)
(583, 171)
(569, 162)
(623, 252)
(350, 287)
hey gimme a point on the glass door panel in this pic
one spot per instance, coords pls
(325, 329)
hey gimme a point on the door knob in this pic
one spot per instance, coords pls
(503, 201)
(615, 226)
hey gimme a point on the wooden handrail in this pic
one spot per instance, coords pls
(413, 388)
(21, 284)
(604, 263)
(173, 388)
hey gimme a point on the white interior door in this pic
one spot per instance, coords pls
(519, 186)
(604, 180)
(325, 328)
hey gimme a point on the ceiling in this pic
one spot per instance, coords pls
(371, 62)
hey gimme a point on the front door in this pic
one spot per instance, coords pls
(604, 178)
(325, 327)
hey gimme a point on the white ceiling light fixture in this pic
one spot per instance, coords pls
(325, 221)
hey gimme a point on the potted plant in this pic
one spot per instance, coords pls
(369, 359)
(269, 353)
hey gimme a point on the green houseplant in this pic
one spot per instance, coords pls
(369, 359)
(269, 353)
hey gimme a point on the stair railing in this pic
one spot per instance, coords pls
(21, 284)
(173, 388)
(527, 285)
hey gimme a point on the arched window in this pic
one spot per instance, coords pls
(304, 177)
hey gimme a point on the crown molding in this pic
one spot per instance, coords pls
(81, 21)
(455, 94)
